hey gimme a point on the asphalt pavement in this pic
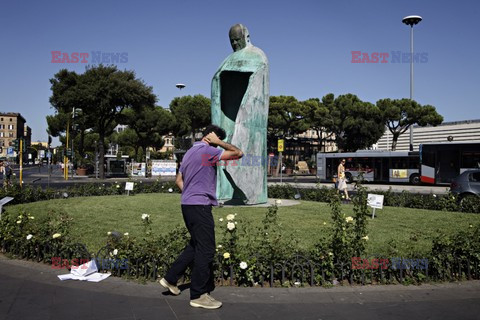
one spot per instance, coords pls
(30, 290)
(40, 177)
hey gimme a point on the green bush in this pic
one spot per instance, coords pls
(446, 202)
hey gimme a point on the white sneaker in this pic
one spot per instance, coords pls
(205, 301)
(173, 289)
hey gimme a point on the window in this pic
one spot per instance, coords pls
(475, 177)
(10, 127)
(2, 134)
(10, 134)
(10, 119)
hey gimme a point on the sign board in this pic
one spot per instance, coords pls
(10, 151)
(164, 168)
(129, 186)
(3, 202)
(399, 173)
(375, 201)
(280, 145)
(41, 154)
(138, 169)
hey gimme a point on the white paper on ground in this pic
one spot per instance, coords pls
(85, 272)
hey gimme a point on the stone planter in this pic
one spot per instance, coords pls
(81, 171)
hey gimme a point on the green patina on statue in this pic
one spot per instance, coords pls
(240, 96)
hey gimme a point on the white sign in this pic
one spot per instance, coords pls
(375, 201)
(129, 186)
(3, 202)
(41, 154)
(164, 168)
(138, 169)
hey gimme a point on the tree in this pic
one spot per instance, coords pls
(149, 125)
(191, 114)
(356, 124)
(400, 115)
(102, 92)
(286, 117)
(319, 119)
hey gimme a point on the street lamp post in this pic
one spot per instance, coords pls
(411, 21)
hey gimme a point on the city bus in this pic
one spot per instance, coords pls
(374, 165)
(442, 162)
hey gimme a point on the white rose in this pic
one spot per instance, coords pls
(226, 255)
(56, 235)
(219, 246)
(170, 190)
(365, 238)
(243, 265)
(125, 234)
(145, 216)
(19, 221)
(348, 219)
(29, 237)
(230, 217)
(221, 219)
(230, 226)
(109, 233)
(115, 252)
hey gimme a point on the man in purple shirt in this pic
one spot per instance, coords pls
(197, 181)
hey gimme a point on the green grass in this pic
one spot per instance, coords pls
(93, 217)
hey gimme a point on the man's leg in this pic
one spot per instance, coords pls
(186, 257)
(203, 234)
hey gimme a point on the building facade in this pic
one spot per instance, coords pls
(12, 126)
(457, 131)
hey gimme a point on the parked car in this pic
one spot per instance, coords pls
(466, 184)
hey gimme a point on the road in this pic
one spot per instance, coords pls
(38, 176)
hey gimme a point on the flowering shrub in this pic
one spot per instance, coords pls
(40, 239)
(250, 254)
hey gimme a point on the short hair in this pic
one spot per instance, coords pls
(218, 131)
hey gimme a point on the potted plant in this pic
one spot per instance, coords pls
(82, 167)
(289, 166)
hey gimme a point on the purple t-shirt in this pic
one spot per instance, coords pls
(199, 173)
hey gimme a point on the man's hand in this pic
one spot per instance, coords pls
(212, 138)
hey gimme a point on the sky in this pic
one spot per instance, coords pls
(309, 45)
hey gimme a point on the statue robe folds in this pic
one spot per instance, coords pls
(240, 98)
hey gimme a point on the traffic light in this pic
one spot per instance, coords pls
(15, 145)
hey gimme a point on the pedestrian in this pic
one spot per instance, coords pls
(342, 183)
(197, 181)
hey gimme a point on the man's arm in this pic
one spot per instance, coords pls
(179, 181)
(231, 151)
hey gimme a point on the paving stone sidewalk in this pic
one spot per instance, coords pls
(30, 290)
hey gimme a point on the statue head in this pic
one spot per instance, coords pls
(239, 37)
